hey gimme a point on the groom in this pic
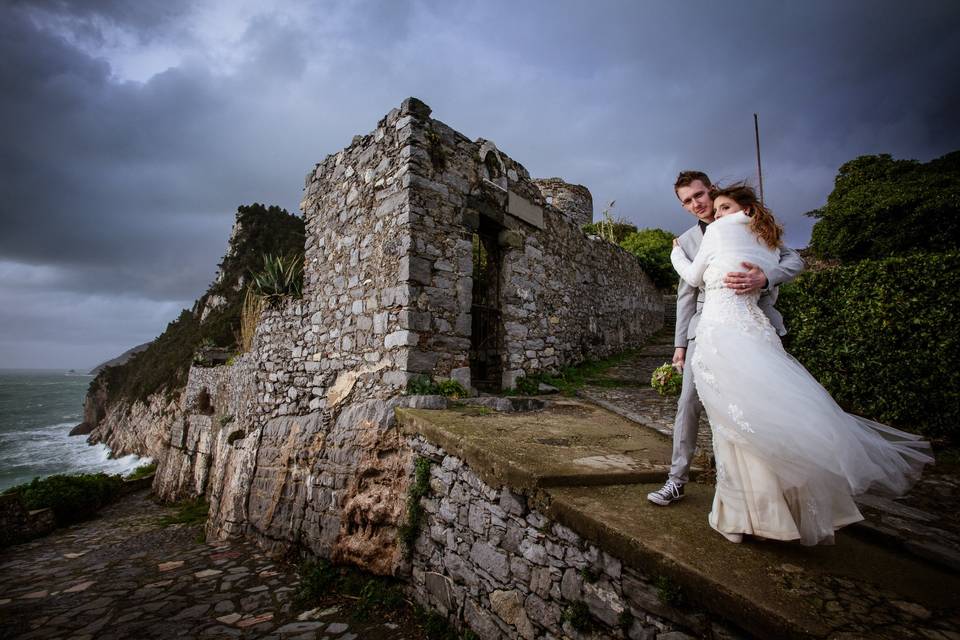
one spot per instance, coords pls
(693, 191)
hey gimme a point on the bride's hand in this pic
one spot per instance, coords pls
(676, 242)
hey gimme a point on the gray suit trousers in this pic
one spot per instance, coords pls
(687, 423)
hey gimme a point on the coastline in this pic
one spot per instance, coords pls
(38, 409)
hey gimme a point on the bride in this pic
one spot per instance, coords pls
(789, 459)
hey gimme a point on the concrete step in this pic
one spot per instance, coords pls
(568, 443)
(853, 589)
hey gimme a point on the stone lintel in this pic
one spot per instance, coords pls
(521, 208)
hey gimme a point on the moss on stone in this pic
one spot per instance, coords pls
(419, 488)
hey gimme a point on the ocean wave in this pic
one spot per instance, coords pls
(51, 452)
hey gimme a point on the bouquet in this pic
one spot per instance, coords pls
(667, 380)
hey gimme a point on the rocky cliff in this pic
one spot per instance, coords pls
(120, 359)
(132, 406)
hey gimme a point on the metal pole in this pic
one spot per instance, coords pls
(756, 132)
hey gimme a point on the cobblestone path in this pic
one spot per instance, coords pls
(625, 389)
(125, 575)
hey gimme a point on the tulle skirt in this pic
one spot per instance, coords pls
(789, 459)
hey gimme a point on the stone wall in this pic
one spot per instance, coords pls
(489, 561)
(358, 239)
(389, 272)
(217, 408)
(574, 200)
(287, 383)
(562, 297)
(18, 524)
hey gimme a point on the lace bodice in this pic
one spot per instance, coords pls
(723, 305)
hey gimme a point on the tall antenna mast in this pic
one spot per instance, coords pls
(756, 132)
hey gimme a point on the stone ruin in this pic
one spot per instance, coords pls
(427, 254)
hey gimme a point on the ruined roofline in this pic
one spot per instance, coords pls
(573, 200)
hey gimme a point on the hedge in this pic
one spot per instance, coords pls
(883, 336)
(71, 497)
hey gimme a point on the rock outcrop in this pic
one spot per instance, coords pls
(132, 406)
(123, 358)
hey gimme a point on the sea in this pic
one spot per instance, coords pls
(38, 408)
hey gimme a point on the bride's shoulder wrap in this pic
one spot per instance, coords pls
(727, 243)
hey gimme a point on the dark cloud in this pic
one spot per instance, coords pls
(92, 20)
(132, 131)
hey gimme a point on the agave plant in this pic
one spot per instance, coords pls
(281, 276)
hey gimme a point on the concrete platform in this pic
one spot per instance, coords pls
(772, 589)
(585, 467)
(569, 443)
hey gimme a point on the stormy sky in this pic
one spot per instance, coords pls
(131, 131)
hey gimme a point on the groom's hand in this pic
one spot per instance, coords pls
(679, 355)
(749, 281)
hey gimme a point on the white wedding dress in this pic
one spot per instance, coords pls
(788, 458)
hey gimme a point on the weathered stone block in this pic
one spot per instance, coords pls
(533, 552)
(415, 269)
(546, 614)
(570, 585)
(480, 621)
(604, 603)
(508, 605)
(491, 560)
(400, 338)
(461, 375)
(417, 360)
(441, 591)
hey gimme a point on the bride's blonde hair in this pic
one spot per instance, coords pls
(762, 222)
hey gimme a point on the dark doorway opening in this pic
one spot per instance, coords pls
(486, 335)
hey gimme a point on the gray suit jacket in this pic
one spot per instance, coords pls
(690, 299)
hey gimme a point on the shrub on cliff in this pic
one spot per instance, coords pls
(279, 278)
(883, 336)
(71, 497)
(651, 246)
(258, 231)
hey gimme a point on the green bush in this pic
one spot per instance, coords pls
(881, 207)
(653, 247)
(528, 385)
(71, 497)
(451, 389)
(143, 471)
(577, 614)
(612, 230)
(419, 488)
(668, 591)
(883, 337)
(425, 386)
(189, 512)
(317, 579)
(372, 595)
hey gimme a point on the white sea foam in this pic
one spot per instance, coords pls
(48, 450)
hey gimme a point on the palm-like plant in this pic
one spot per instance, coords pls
(281, 276)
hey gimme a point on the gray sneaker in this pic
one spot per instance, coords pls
(667, 495)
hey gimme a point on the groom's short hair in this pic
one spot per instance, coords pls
(687, 177)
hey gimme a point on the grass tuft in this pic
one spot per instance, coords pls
(142, 471)
(188, 512)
